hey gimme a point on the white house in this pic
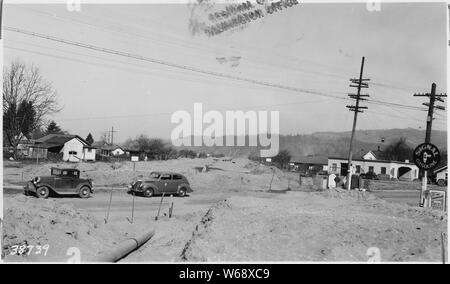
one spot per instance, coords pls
(441, 175)
(89, 153)
(394, 169)
(77, 150)
(370, 156)
(117, 151)
(72, 147)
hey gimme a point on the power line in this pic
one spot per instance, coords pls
(170, 113)
(170, 64)
(181, 41)
(374, 102)
(197, 70)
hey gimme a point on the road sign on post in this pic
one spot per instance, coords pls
(134, 159)
(426, 157)
(438, 200)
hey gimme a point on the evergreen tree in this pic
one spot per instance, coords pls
(90, 139)
(53, 128)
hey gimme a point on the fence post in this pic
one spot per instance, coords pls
(132, 208)
(171, 206)
(273, 174)
(109, 206)
(159, 209)
(443, 247)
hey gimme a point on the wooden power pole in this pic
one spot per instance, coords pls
(112, 135)
(431, 106)
(359, 84)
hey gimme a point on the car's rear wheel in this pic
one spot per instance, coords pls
(148, 192)
(182, 192)
(85, 192)
(43, 192)
(441, 182)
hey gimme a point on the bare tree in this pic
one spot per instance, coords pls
(25, 86)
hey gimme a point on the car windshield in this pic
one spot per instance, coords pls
(155, 175)
(56, 172)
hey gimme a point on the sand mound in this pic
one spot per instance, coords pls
(193, 250)
(301, 226)
(35, 222)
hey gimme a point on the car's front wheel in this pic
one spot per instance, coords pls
(85, 192)
(182, 192)
(148, 192)
(441, 182)
(43, 192)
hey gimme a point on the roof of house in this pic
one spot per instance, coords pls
(107, 147)
(440, 169)
(311, 160)
(134, 150)
(379, 155)
(45, 146)
(371, 161)
(441, 166)
(54, 140)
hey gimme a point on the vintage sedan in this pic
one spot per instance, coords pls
(162, 182)
(60, 181)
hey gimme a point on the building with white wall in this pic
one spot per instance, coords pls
(72, 147)
(394, 169)
(117, 151)
(441, 175)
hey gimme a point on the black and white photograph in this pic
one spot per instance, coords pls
(224, 132)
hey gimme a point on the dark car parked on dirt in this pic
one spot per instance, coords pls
(369, 175)
(61, 181)
(162, 182)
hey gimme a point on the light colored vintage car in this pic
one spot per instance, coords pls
(162, 182)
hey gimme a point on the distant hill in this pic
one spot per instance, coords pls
(413, 136)
(335, 143)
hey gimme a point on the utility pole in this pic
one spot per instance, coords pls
(37, 157)
(1, 18)
(112, 135)
(431, 106)
(359, 84)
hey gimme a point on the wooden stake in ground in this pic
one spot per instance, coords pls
(273, 174)
(132, 210)
(171, 206)
(109, 206)
(443, 247)
(159, 209)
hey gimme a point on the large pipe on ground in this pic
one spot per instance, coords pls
(124, 248)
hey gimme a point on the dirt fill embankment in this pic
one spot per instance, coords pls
(329, 226)
(36, 222)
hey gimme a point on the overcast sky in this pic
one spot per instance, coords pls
(315, 47)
